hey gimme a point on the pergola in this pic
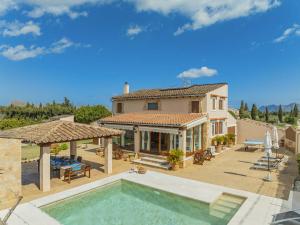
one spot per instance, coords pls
(45, 134)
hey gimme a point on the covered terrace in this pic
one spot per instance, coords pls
(44, 135)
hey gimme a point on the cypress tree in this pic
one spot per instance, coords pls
(280, 114)
(295, 111)
(246, 107)
(254, 112)
(242, 109)
(267, 116)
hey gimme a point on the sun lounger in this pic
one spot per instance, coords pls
(264, 165)
(290, 217)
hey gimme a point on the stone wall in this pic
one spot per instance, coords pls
(10, 171)
(249, 129)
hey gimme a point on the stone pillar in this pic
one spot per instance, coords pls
(137, 137)
(10, 171)
(143, 140)
(73, 149)
(108, 155)
(205, 130)
(171, 142)
(182, 144)
(123, 140)
(45, 168)
(149, 141)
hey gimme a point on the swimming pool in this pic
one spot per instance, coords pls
(127, 203)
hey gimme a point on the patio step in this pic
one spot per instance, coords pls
(154, 160)
(152, 164)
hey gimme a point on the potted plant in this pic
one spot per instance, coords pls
(174, 158)
(231, 139)
(219, 140)
(214, 141)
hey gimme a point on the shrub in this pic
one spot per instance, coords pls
(175, 156)
(63, 146)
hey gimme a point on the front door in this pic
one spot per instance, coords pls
(154, 142)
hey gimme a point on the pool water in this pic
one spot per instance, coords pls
(127, 203)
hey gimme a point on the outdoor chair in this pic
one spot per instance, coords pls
(290, 217)
(118, 154)
(82, 169)
(79, 159)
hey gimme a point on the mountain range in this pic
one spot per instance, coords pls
(274, 108)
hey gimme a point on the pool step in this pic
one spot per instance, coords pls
(225, 206)
(153, 162)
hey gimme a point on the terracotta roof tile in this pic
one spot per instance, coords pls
(194, 90)
(156, 119)
(58, 131)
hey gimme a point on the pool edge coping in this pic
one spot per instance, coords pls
(252, 208)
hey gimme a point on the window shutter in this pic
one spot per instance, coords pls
(190, 106)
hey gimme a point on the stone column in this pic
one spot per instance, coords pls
(137, 137)
(182, 144)
(123, 140)
(143, 140)
(205, 134)
(73, 149)
(171, 142)
(108, 155)
(45, 168)
(149, 141)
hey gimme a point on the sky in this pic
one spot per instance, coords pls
(87, 49)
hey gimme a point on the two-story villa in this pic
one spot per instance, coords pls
(158, 120)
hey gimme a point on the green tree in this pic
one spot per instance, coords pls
(254, 112)
(242, 110)
(280, 114)
(295, 111)
(88, 114)
(246, 108)
(267, 115)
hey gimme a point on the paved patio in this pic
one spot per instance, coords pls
(230, 169)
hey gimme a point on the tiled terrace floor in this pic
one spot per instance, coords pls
(230, 169)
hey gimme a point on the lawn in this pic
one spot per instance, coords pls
(32, 151)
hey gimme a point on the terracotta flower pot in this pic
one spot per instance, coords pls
(174, 166)
(219, 148)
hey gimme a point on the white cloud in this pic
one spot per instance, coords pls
(196, 73)
(60, 7)
(289, 32)
(61, 45)
(20, 52)
(6, 5)
(132, 31)
(17, 28)
(203, 13)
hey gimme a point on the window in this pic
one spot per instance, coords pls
(152, 106)
(119, 107)
(189, 140)
(217, 127)
(214, 103)
(195, 107)
(221, 104)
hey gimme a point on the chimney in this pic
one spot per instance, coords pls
(126, 88)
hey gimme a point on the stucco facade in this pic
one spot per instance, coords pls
(209, 103)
